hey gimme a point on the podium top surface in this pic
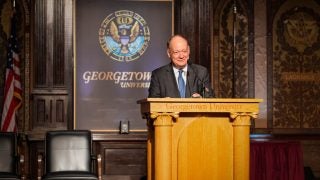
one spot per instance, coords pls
(199, 100)
(199, 105)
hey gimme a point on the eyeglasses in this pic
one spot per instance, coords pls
(176, 53)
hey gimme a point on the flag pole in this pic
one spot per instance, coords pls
(13, 7)
(234, 49)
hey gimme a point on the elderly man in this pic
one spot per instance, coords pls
(180, 78)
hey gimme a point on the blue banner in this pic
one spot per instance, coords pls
(117, 45)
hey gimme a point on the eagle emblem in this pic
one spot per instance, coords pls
(124, 35)
(301, 31)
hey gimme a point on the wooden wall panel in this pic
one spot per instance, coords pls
(124, 155)
(122, 159)
(193, 20)
(40, 48)
(52, 79)
(59, 44)
(49, 112)
(293, 66)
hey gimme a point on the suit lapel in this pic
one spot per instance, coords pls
(171, 82)
(172, 86)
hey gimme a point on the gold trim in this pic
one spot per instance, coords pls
(74, 63)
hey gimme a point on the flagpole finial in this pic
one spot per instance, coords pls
(13, 6)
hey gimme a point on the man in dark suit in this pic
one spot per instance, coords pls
(180, 78)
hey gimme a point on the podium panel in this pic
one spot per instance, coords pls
(204, 148)
(198, 138)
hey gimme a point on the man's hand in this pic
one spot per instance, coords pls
(196, 95)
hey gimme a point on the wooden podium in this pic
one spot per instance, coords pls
(197, 138)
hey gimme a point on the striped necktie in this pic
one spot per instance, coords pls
(181, 84)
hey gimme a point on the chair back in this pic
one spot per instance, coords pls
(68, 150)
(8, 152)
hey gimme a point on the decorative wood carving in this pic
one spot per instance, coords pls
(242, 45)
(294, 68)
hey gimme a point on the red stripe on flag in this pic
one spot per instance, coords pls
(9, 118)
(8, 106)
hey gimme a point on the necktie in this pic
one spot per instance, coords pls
(181, 84)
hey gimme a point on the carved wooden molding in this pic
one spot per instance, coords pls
(243, 118)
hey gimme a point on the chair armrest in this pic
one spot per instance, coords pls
(98, 159)
(22, 167)
(39, 167)
(99, 166)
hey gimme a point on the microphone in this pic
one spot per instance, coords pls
(202, 91)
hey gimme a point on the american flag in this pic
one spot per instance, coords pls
(12, 86)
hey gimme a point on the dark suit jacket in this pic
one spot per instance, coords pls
(163, 82)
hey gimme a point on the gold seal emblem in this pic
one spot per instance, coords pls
(124, 35)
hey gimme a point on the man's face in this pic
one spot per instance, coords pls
(178, 52)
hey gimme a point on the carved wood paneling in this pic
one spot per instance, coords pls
(233, 42)
(49, 112)
(294, 69)
(39, 45)
(58, 44)
(193, 20)
(49, 44)
(51, 84)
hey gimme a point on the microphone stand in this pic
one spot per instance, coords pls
(203, 90)
(198, 80)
